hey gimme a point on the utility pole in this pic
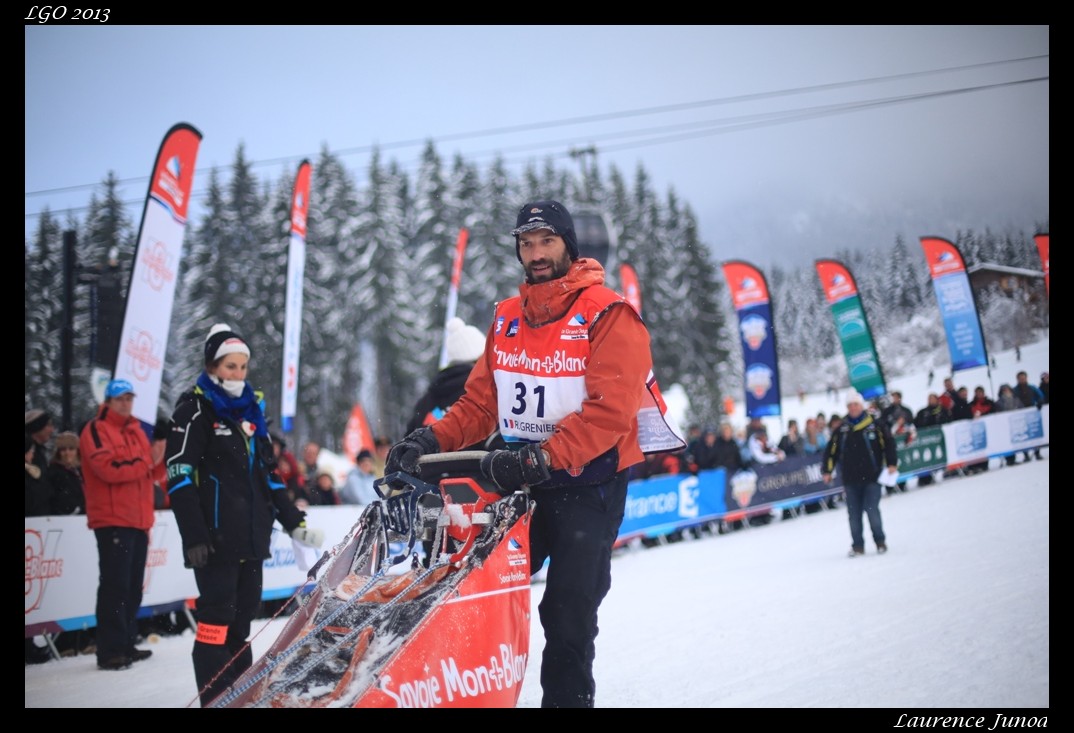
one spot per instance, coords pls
(68, 332)
(588, 174)
(106, 304)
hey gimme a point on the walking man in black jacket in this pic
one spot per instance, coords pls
(861, 447)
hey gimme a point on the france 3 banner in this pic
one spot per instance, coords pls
(151, 293)
(1042, 249)
(958, 308)
(863, 364)
(296, 267)
(659, 505)
(749, 294)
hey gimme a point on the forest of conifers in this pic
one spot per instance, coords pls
(377, 275)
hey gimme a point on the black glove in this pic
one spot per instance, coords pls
(404, 455)
(198, 555)
(513, 470)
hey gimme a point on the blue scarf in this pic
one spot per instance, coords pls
(243, 407)
(858, 419)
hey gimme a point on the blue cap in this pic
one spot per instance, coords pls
(118, 387)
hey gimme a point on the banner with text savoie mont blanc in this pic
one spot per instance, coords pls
(958, 308)
(151, 293)
(296, 267)
(749, 294)
(863, 364)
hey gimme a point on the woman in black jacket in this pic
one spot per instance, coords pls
(463, 345)
(65, 475)
(225, 494)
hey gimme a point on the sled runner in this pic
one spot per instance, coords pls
(384, 631)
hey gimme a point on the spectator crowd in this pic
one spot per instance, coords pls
(55, 472)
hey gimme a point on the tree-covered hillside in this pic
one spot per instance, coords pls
(377, 277)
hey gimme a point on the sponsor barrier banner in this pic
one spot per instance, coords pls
(996, 434)
(61, 567)
(786, 483)
(61, 552)
(926, 452)
(661, 504)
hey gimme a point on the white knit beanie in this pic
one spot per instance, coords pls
(222, 341)
(464, 343)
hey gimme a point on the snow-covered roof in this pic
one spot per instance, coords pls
(1024, 272)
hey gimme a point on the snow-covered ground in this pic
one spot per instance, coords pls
(956, 615)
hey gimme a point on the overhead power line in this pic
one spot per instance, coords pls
(664, 134)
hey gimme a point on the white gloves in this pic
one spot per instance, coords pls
(308, 535)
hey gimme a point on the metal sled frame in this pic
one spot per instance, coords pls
(379, 632)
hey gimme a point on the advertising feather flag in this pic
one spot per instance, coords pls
(863, 364)
(453, 291)
(1042, 250)
(628, 280)
(357, 434)
(958, 308)
(296, 266)
(749, 294)
(147, 317)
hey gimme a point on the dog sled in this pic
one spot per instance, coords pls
(390, 630)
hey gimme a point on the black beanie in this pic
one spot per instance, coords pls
(550, 215)
(36, 420)
(222, 341)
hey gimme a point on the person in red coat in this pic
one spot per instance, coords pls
(118, 472)
(981, 404)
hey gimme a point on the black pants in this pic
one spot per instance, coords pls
(574, 528)
(121, 554)
(229, 597)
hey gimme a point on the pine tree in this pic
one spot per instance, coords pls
(382, 284)
(43, 322)
(200, 301)
(698, 356)
(377, 276)
(105, 250)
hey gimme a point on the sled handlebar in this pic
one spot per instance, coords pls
(431, 468)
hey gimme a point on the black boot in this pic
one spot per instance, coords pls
(36, 654)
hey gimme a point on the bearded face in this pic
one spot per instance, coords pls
(544, 255)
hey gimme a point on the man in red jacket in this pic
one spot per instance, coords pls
(566, 376)
(118, 472)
